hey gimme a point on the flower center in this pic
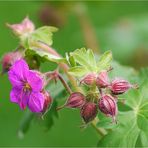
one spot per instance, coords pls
(26, 87)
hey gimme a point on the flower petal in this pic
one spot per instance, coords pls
(18, 96)
(35, 81)
(17, 73)
(15, 95)
(36, 102)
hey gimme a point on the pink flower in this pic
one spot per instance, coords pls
(26, 87)
(26, 26)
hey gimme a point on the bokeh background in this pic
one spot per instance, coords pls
(118, 26)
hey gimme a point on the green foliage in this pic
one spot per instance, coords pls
(131, 127)
(78, 71)
(42, 34)
(86, 62)
(25, 123)
(104, 61)
(44, 56)
(85, 58)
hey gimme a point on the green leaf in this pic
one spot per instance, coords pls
(25, 123)
(85, 58)
(57, 92)
(105, 122)
(48, 119)
(78, 71)
(125, 72)
(104, 61)
(70, 59)
(124, 135)
(128, 131)
(45, 55)
(42, 34)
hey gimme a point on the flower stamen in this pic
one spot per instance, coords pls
(26, 87)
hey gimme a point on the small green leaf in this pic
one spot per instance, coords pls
(70, 59)
(78, 71)
(25, 123)
(46, 56)
(91, 57)
(85, 58)
(104, 61)
(48, 119)
(42, 34)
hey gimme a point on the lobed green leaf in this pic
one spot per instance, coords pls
(85, 58)
(104, 61)
(42, 34)
(78, 71)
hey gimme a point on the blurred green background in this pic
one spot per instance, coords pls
(119, 26)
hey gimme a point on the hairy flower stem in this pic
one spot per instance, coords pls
(54, 76)
(65, 84)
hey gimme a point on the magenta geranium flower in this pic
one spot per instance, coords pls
(26, 87)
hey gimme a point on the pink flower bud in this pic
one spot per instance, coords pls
(120, 86)
(76, 100)
(89, 111)
(26, 26)
(107, 105)
(47, 102)
(102, 79)
(9, 59)
(89, 79)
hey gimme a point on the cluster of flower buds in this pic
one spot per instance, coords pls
(101, 79)
(88, 110)
(105, 101)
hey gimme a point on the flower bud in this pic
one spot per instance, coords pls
(89, 79)
(89, 111)
(10, 58)
(76, 100)
(107, 105)
(26, 26)
(120, 86)
(47, 102)
(102, 79)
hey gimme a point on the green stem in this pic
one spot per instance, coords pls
(65, 84)
(100, 131)
(54, 75)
